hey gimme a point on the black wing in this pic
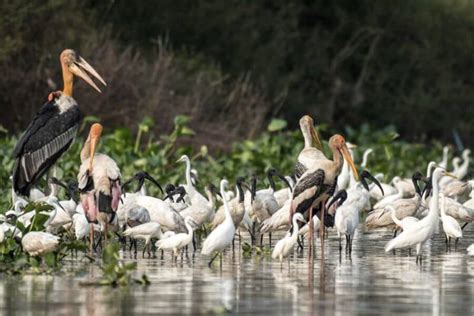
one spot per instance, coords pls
(48, 136)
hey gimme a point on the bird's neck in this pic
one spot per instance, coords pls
(189, 181)
(86, 150)
(294, 234)
(308, 143)
(68, 80)
(338, 161)
(434, 207)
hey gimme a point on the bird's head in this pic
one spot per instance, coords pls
(307, 124)
(78, 66)
(94, 138)
(339, 143)
(183, 158)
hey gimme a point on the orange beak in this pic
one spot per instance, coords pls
(94, 135)
(347, 156)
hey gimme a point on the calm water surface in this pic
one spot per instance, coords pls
(369, 282)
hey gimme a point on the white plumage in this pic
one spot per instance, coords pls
(39, 243)
(221, 237)
(177, 241)
(285, 246)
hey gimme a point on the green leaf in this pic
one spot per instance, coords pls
(277, 125)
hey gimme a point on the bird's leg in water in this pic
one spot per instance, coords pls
(395, 233)
(213, 258)
(465, 224)
(299, 240)
(323, 228)
(106, 232)
(194, 243)
(270, 238)
(233, 242)
(456, 243)
(311, 234)
(91, 237)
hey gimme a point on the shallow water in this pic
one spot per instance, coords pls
(368, 282)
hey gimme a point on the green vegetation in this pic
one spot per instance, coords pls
(276, 147)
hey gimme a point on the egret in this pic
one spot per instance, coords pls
(221, 237)
(418, 233)
(145, 231)
(450, 225)
(285, 246)
(178, 241)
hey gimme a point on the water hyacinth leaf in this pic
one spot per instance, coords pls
(276, 125)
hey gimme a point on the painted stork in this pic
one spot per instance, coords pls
(54, 127)
(315, 185)
(99, 183)
(313, 148)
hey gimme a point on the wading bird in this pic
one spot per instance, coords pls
(451, 227)
(178, 241)
(54, 127)
(39, 243)
(418, 233)
(221, 237)
(317, 184)
(99, 183)
(285, 246)
(313, 148)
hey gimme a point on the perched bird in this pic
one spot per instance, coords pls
(39, 243)
(285, 246)
(221, 237)
(346, 222)
(54, 127)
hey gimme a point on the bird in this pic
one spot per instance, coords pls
(99, 183)
(178, 241)
(54, 127)
(236, 206)
(418, 233)
(39, 243)
(457, 190)
(145, 231)
(451, 227)
(470, 250)
(81, 226)
(444, 163)
(464, 167)
(318, 183)
(221, 237)
(405, 222)
(365, 157)
(285, 246)
(313, 148)
(346, 222)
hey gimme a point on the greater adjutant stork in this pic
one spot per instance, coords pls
(54, 127)
(99, 183)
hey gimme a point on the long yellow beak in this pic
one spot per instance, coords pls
(316, 139)
(94, 134)
(347, 156)
(81, 67)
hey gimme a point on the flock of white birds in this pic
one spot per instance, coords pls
(170, 222)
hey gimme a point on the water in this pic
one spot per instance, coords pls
(368, 282)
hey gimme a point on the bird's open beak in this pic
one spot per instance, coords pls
(316, 139)
(81, 67)
(95, 133)
(347, 156)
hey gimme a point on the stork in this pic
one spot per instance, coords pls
(313, 148)
(315, 185)
(54, 127)
(99, 183)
